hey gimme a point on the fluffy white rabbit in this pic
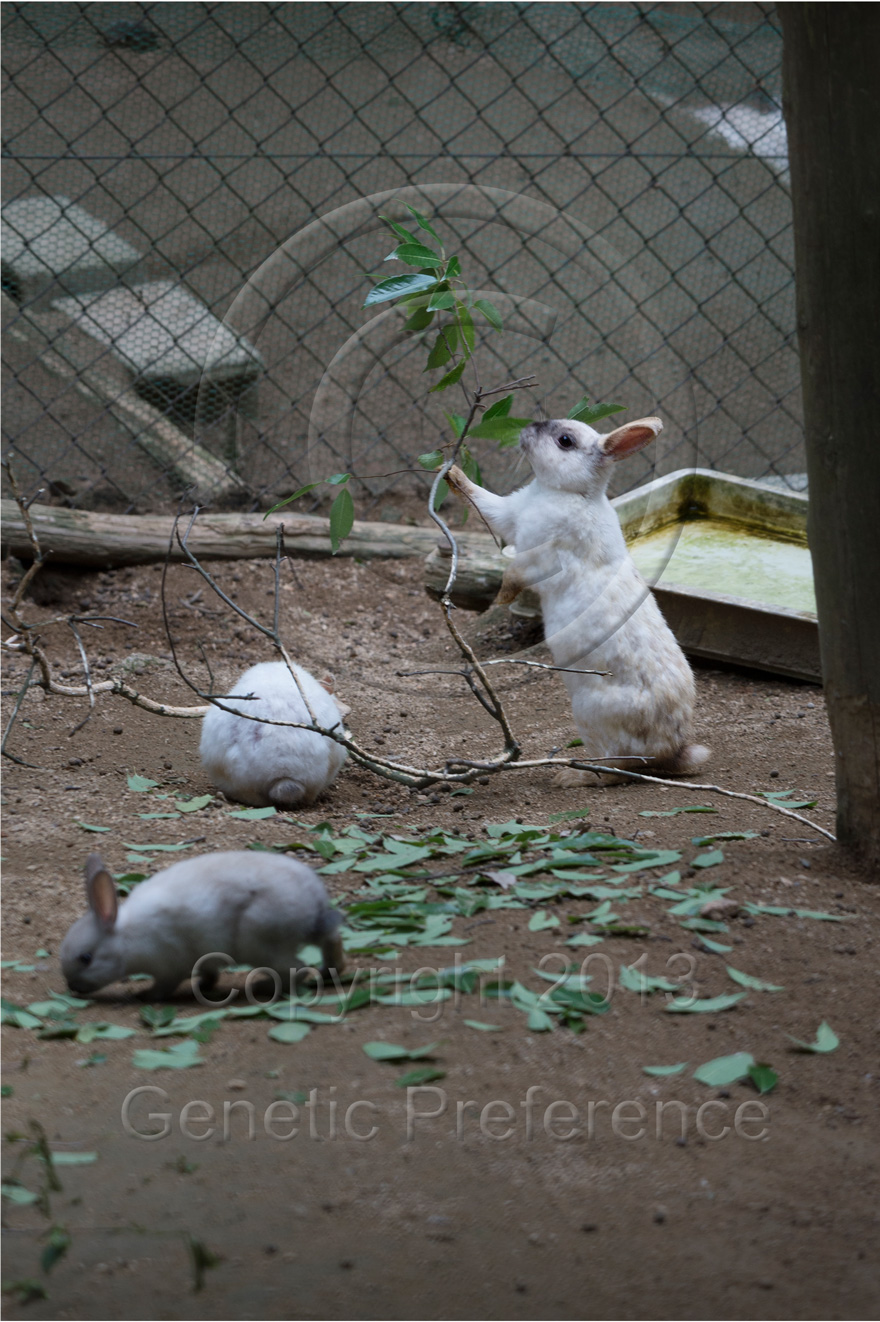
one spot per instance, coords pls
(273, 765)
(598, 611)
(239, 907)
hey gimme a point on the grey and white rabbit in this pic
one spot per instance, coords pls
(240, 907)
(273, 765)
(598, 611)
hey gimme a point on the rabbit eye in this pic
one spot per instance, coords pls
(85, 959)
(565, 442)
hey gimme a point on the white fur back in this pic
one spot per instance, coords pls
(244, 758)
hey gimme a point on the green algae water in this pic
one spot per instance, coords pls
(714, 556)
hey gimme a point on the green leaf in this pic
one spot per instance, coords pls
(763, 1077)
(341, 518)
(443, 300)
(661, 1071)
(103, 1033)
(253, 814)
(17, 1193)
(86, 826)
(399, 230)
(715, 946)
(450, 378)
(721, 1071)
(539, 1021)
(193, 805)
(159, 849)
(673, 812)
(755, 984)
(490, 312)
(141, 784)
(570, 815)
(388, 1051)
(182, 1056)
(454, 267)
(56, 1247)
(709, 1006)
(585, 939)
(424, 1074)
(710, 860)
(701, 840)
(500, 409)
(589, 413)
(433, 459)
(541, 921)
(466, 322)
(483, 1028)
(157, 1016)
(444, 347)
(782, 796)
(423, 222)
(575, 743)
(289, 1032)
(632, 979)
(456, 422)
(6, 1090)
(74, 1158)
(337, 479)
(415, 254)
(419, 321)
(504, 430)
(826, 1040)
(441, 493)
(397, 285)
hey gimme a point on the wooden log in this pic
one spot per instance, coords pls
(62, 353)
(101, 540)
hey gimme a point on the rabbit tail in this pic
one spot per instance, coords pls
(287, 793)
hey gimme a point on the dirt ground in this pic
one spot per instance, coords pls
(510, 1212)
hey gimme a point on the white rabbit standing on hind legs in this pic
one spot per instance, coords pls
(598, 611)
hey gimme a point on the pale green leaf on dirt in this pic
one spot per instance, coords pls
(193, 805)
(390, 1051)
(483, 1028)
(782, 797)
(661, 1071)
(180, 1025)
(763, 1077)
(673, 812)
(710, 860)
(539, 1021)
(74, 1158)
(141, 784)
(17, 1193)
(702, 840)
(87, 826)
(584, 939)
(16, 966)
(104, 1033)
(182, 1056)
(159, 849)
(787, 911)
(253, 814)
(826, 1040)
(542, 920)
(715, 946)
(755, 984)
(423, 1074)
(723, 1070)
(570, 815)
(711, 1005)
(289, 1032)
(634, 980)
(15, 1014)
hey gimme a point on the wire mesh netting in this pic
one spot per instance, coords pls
(191, 201)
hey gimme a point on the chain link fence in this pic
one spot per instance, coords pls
(170, 318)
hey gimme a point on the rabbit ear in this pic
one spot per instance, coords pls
(630, 437)
(101, 892)
(328, 682)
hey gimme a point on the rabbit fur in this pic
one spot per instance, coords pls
(598, 611)
(239, 906)
(273, 765)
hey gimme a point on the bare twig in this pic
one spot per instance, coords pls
(88, 675)
(18, 701)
